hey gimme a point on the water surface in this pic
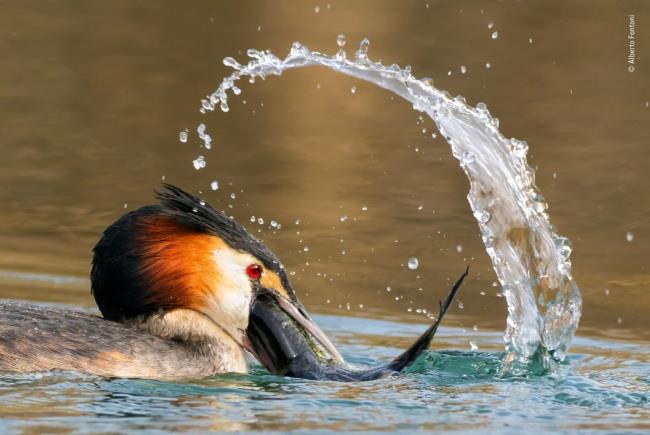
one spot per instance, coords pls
(603, 386)
(96, 94)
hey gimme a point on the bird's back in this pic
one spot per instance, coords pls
(35, 338)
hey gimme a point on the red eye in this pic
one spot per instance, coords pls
(254, 271)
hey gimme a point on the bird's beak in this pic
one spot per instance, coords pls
(287, 342)
(279, 331)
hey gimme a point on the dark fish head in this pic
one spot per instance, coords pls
(285, 340)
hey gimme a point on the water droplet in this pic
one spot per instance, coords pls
(253, 219)
(629, 236)
(125, 205)
(530, 40)
(619, 320)
(364, 208)
(540, 206)
(459, 248)
(305, 248)
(467, 157)
(482, 216)
(183, 135)
(207, 140)
(233, 195)
(274, 224)
(495, 35)
(420, 207)
(388, 289)
(606, 292)
(434, 135)
(473, 346)
(199, 163)
(463, 69)
(413, 263)
(232, 63)
(519, 148)
(317, 9)
(488, 65)
(353, 89)
(344, 218)
(461, 305)
(490, 25)
(362, 53)
(214, 185)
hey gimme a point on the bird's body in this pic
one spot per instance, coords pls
(35, 339)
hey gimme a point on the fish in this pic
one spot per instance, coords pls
(285, 348)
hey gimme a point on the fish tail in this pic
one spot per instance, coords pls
(409, 356)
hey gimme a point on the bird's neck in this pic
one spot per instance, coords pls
(202, 336)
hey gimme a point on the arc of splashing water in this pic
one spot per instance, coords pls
(531, 262)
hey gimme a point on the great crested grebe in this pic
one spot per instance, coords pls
(185, 292)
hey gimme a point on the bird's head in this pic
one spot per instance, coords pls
(184, 254)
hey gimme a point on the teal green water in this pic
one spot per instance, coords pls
(602, 388)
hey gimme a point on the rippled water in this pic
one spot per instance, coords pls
(98, 93)
(602, 386)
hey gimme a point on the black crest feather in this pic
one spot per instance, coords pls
(191, 212)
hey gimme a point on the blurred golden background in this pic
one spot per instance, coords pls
(93, 96)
